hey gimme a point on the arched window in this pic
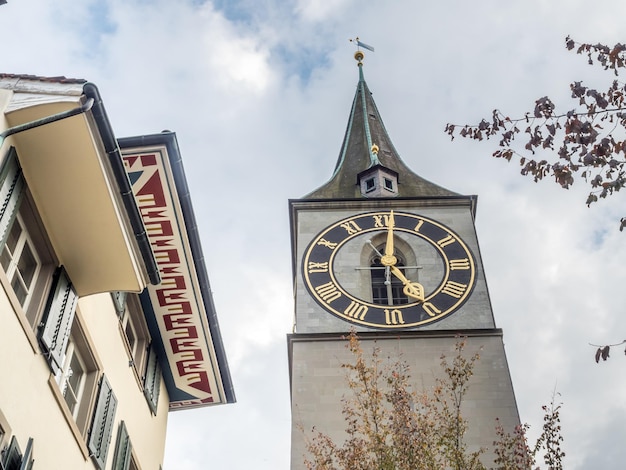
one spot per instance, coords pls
(387, 288)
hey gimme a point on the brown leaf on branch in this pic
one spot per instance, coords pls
(578, 136)
(603, 353)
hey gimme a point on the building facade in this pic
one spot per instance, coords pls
(107, 321)
(383, 251)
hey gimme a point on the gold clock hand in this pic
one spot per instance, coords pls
(389, 259)
(411, 289)
(390, 227)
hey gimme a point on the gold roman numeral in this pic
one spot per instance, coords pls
(454, 289)
(317, 267)
(381, 221)
(430, 309)
(419, 225)
(327, 244)
(446, 241)
(393, 317)
(356, 310)
(459, 264)
(351, 227)
(328, 292)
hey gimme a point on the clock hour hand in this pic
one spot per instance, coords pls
(374, 248)
(411, 289)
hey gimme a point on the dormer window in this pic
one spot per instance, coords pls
(388, 184)
(370, 185)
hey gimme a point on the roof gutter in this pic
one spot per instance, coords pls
(46, 120)
(115, 159)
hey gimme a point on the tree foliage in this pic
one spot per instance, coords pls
(586, 141)
(603, 351)
(390, 426)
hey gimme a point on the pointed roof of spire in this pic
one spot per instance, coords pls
(367, 145)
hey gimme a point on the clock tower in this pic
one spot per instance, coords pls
(385, 252)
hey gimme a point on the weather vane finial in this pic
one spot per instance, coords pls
(358, 55)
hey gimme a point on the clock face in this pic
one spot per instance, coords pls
(389, 270)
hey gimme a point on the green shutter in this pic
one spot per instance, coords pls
(121, 458)
(102, 424)
(119, 299)
(12, 456)
(152, 380)
(60, 309)
(27, 463)
(11, 190)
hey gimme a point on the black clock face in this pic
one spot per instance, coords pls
(428, 263)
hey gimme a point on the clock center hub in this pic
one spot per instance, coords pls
(388, 260)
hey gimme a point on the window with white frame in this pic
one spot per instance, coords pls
(20, 262)
(135, 331)
(142, 354)
(77, 377)
(83, 392)
(25, 253)
(71, 378)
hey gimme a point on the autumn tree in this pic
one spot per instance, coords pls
(584, 140)
(390, 426)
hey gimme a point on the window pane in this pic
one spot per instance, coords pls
(384, 286)
(14, 236)
(8, 250)
(130, 335)
(27, 265)
(5, 258)
(74, 377)
(76, 366)
(20, 291)
(71, 400)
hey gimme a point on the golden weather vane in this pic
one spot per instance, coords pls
(358, 55)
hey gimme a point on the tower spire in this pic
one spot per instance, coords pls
(368, 163)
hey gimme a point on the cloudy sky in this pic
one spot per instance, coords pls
(259, 91)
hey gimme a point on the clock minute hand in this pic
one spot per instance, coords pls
(390, 227)
(389, 259)
(411, 289)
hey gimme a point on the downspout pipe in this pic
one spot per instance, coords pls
(115, 159)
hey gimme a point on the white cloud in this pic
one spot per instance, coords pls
(320, 10)
(260, 103)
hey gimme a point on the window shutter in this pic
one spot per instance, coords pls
(27, 463)
(12, 457)
(11, 190)
(121, 459)
(152, 380)
(119, 299)
(60, 309)
(102, 425)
